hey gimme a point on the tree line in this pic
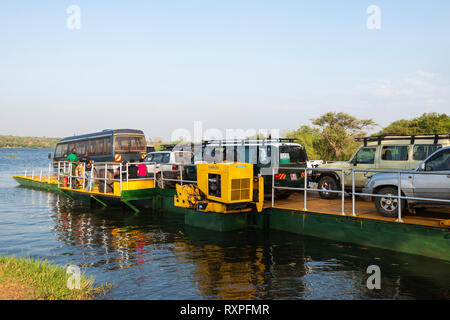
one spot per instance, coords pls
(332, 135)
(329, 137)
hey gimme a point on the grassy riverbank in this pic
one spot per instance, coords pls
(27, 142)
(30, 279)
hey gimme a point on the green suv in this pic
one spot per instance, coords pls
(378, 152)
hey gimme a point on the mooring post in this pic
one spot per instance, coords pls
(399, 201)
(353, 193)
(305, 194)
(343, 192)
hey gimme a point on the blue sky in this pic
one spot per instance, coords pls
(161, 65)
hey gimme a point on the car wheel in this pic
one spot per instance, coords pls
(387, 205)
(328, 183)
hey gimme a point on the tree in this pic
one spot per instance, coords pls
(308, 137)
(338, 133)
(333, 135)
(428, 123)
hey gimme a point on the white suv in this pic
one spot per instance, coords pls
(169, 162)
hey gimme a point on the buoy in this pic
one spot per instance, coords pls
(12, 157)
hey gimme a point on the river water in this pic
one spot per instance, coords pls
(156, 256)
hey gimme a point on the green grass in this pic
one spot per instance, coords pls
(27, 278)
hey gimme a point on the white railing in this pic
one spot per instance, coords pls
(41, 172)
(399, 195)
(180, 171)
(305, 189)
(65, 169)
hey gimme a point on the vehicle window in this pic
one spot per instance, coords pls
(439, 162)
(366, 156)
(289, 154)
(422, 151)
(157, 157)
(166, 158)
(394, 153)
(264, 155)
(149, 158)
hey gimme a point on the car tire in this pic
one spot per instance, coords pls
(387, 206)
(328, 183)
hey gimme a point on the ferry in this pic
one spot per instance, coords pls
(231, 196)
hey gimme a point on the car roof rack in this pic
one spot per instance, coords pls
(412, 138)
(249, 141)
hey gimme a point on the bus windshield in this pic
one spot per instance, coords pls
(292, 154)
(129, 144)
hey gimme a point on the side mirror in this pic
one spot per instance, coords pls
(354, 161)
(422, 167)
(49, 156)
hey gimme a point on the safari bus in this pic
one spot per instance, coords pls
(105, 146)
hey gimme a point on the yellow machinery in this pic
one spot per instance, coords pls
(223, 188)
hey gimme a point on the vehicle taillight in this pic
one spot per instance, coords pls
(280, 176)
(174, 167)
(303, 174)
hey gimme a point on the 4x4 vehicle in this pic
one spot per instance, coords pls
(424, 186)
(169, 162)
(379, 152)
(269, 157)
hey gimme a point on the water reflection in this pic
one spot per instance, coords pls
(158, 250)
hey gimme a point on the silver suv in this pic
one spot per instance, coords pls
(431, 186)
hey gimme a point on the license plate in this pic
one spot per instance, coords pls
(293, 176)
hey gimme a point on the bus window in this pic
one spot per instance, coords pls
(60, 150)
(107, 146)
(91, 147)
(129, 144)
(80, 147)
(99, 146)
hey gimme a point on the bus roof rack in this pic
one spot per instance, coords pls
(249, 141)
(413, 138)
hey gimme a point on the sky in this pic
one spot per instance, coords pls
(160, 65)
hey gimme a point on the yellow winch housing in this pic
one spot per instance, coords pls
(226, 182)
(223, 187)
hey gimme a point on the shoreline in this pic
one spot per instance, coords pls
(37, 279)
